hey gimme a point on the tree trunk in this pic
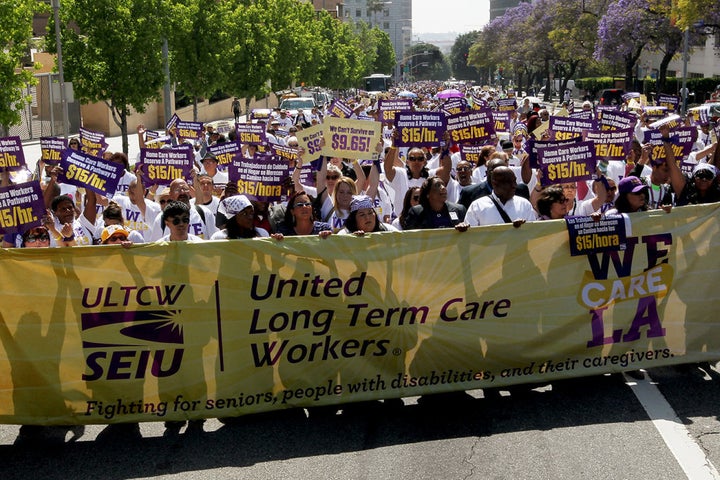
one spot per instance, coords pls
(124, 130)
(195, 109)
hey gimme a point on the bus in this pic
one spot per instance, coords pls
(376, 83)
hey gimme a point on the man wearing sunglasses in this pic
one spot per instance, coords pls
(176, 218)
(202, 221)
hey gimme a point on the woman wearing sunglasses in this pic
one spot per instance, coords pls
(240, 223)
(299, 219)
(176, 218)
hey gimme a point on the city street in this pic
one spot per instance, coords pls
(664, 426)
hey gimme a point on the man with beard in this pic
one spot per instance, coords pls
(202, 221)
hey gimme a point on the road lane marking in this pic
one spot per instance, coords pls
(685, 449)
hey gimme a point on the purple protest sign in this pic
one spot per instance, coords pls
(260, 178)
(339, 109)
(172, 122)
(224, 152)
(21, 207)
(289, 154)
(567, 163)
(474, 126)
(308, 175)
(655, 113)
(453, 106)
(506, 104)
(388, 108)
(51, 148)
(92, 143)
(154, 140)
(611, 144)
(478, 101)
(95, 173)
(583, 115)
(682, 140)
(502, 121)
(533, 147)
(417, 129)
(161, 167)
(630, 95)
(12, 157)
(589, 236)
(251, 133)
(671, 102)
(566, 128)
(189, 130)
(470, 153)
(616, 120)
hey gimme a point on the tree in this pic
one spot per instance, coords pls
(385, 58)
(197, 45)
(253, 50)
(117, 60)
(459, 56)
(623, 33)
(343, 62)
(15, 32)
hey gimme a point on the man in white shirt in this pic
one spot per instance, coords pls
(202, 226)
(502, 205)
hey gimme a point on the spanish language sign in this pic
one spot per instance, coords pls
(260, 178)
(227, 328)
(83, 170)
(92, 143)
(589, 236)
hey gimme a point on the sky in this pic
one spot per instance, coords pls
(443, 16)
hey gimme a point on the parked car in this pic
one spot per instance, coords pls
(611, 96)
(292, 105)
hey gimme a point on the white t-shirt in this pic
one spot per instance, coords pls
(134, 219)
(197, 227)
(484, 212)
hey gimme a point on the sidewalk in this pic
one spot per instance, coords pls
(31, 148)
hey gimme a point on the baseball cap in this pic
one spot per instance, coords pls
(111, 230)
(631, 184)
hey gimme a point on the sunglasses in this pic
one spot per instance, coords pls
(178, 220)
(416, 158)
(43, 237)
(416, 198)
(163, 202)
(704, 175)
(303, 204)
(332, 177)
(115, 238)
(463, 169)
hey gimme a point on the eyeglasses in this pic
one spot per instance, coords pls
(43, 237)
(704, 175)
(332, 177)
(302, 204)
(463, 169)
(178, 220)
(416, 158)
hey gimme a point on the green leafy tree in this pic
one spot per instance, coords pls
(15, 32)
(198, 44)
(252, 54)
(112, 53)
(459, 56)
(343, 65)
(385, 58)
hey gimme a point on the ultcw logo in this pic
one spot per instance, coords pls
(131, 344)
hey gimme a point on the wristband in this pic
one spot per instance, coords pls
(69, 239)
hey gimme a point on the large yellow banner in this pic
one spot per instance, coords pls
(173, 331)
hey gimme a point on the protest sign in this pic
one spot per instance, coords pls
(261, 177)
(418, 129)
(161, 167)
(567, 163)
(350, 138)
(91, 172)
(92, 143)
(473, 126)
(21, 207)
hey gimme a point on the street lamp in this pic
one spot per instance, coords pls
(400, 45)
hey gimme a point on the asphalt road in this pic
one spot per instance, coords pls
(664, 426)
